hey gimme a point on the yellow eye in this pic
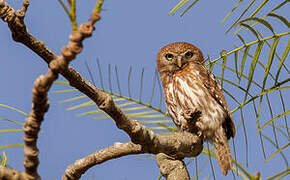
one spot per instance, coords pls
(169, 56)
(188, 55)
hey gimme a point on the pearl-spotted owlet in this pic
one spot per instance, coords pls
(194, 98)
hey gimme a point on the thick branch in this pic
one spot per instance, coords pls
(172, 169)
(178, 145)
(76, 170)
(11, 174)
(40, 102)
(32, 123)
(135, 130)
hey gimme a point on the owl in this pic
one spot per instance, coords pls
(194, 98)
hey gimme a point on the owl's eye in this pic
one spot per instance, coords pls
(169, 56)
(188, 55)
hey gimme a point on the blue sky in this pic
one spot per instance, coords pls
(130, 33)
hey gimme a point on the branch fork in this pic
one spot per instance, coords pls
(175, 146)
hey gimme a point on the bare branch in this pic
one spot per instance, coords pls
(32, 123)
(11, 174)
(172, 169)
(40, 102)
(76, 170)
(178, 145)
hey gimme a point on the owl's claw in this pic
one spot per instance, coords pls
(190, 118)
(199, 133)
(192, 115)
(199, 126)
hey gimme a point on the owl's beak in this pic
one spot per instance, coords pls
(179, 61)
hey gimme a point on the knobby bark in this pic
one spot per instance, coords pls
(172, 169)
(77, 169)
(175, 146)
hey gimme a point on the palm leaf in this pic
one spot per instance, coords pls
(272, 11)
(180, 5)
(281, 18)
(135, 108)
(12, 108)
(280, 175)
(273, 119)
(277, 147)
(245, 65)
(4, 159)
(234, 8)
(12, 145)
(278, 151)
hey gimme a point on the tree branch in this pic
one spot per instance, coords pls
(172, 169)
(42, 85)
(76, 170)
(11, 174)
(179, 145)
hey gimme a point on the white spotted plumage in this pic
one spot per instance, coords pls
(188, 97)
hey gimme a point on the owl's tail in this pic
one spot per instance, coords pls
(222, 151)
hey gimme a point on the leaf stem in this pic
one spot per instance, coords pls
(249, 44)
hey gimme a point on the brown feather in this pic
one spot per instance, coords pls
(223, 153)
(215, 90)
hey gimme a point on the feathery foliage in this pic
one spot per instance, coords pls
(17, 127)
(135, 107)
(264, 55)
(261, 80)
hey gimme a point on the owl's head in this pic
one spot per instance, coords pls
(176, 56)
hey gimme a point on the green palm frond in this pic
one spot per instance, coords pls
(10, 146)
(210, 155)
(199, 168)
(8, 131)
(273, 119)
(180, 5)
(276, 147)
(4, 159)
(269, 58)
(70, 11)
(11, 130)
(242, 172)
(14, 109)
(278, 151)
(280, 175)
(147, 113)
(234, 8)
(13, 121)
(252, 75)
(265, 16)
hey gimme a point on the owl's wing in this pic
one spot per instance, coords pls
(215, 90)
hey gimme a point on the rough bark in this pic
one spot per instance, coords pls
(177, 146)
(172, 169)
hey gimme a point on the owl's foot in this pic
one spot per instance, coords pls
(199, 133)
(199, 126)
(192, 115)
(190, 118)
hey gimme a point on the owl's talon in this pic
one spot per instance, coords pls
(199, 133)
(199, 125)
(192, 114)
